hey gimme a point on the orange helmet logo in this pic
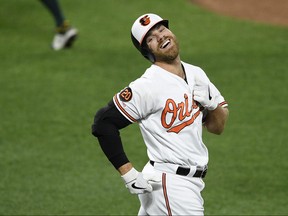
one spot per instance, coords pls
(145, 20)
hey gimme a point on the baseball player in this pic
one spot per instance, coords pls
(171, 102)
(65, 33)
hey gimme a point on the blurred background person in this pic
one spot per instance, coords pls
(65, 34)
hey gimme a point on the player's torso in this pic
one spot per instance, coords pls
(173, 105)
(172, 130)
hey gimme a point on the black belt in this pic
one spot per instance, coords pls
(200, 173)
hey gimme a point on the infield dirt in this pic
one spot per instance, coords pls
(265, 11)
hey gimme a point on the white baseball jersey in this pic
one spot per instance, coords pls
(170, 120)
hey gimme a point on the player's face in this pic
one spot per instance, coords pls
(162, 43)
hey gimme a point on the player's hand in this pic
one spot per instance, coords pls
(204, 95)
(136, 183)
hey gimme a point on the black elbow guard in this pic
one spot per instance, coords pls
(98, 122)
(105, 118)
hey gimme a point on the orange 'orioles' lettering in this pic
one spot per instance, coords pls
(180, 110)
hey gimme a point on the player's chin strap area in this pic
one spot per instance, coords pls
(193, 171)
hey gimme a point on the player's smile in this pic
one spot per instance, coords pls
(165, 44)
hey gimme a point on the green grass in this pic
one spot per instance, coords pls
(50, 164)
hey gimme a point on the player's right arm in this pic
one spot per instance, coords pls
(107, 123)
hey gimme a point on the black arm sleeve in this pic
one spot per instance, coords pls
(107, 123)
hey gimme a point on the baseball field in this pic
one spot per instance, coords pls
(50, 164)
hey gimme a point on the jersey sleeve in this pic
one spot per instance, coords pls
(218, 97)
(133, 101)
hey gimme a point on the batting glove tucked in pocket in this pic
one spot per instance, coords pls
(136, 183)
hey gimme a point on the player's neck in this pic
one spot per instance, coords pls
(174, 67)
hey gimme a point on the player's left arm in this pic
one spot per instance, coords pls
(211, 100)
(216, 119)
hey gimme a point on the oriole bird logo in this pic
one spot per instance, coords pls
(145, 20)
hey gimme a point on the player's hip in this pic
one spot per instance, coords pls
(174, 195)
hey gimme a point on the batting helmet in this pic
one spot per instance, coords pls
(140, 28)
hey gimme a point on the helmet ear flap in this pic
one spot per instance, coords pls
(147, 54)
(143, 49)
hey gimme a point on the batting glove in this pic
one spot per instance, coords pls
(136, 183)
(204, 95)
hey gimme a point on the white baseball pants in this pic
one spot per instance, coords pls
(173, 195)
